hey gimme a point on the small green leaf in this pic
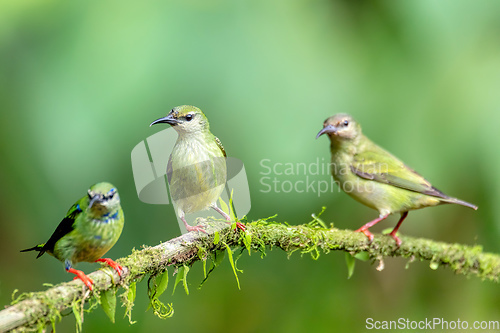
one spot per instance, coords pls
(388, 231)
(219, 257)
(434, 265)
(216, 238)
(181, 276)
(236, 258)
(162, 286)
(156, 289)
(223, 206)
(132, 290)
(351, 263)
(108, 303)
(216, 257)
(232, 215)
(178, 277)
(184, 279)
(230, 256)
(363, 256)
(156, 286)
(204, 268)
(247, 240)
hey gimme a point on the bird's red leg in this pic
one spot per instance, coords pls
(239, 225)
(113, 264)
(81, 275)
(191, 228)
(364, 229)
(395, 230)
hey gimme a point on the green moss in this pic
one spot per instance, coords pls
(35, 322)
(260, 236)
(128, 299)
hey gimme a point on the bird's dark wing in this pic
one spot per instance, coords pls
(378, 165)
(219, 143)
(65, 227)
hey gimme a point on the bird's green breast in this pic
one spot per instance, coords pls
(91, 237)
(198, 172)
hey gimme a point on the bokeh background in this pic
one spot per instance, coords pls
(81, 81)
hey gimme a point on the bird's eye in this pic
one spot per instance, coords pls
(189, 117)
(346, 122)
(111, 193)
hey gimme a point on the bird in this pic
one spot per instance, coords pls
(376, 178)
(196, 168)
(90, 228)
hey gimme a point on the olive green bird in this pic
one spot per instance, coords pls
(90, 228)
(376, 178)
(196, 169)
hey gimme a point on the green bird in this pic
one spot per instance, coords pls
(376, 178)
(196, 169)
(90, 228)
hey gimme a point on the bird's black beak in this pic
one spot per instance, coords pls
(327, 129)
(169, 119)
(95, 198)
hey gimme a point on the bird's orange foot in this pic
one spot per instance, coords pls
(364, 229)
(367, 233)
(81, 275)
(240, 226)
(195, 228)
(113, 264)
(396, 238)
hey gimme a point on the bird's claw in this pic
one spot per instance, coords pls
(240, 226)
(367, 233)
(117, 267)
(81, 276)
(86, 280)
(396, 238)
(196, 228)
(370, 236)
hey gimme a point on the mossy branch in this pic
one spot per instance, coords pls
(38, 309)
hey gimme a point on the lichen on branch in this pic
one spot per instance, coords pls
(35, 310)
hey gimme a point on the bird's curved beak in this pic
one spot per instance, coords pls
(169, 119)
(95, 198)
(327, 129)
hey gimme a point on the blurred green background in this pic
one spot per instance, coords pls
(81, 81)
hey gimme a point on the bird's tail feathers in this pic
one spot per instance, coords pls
(460, 202)
(39, 248)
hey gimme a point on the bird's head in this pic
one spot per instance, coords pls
(340, 127)
(185, 119)
(103, 198)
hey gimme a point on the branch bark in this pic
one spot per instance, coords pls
(35, 311)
